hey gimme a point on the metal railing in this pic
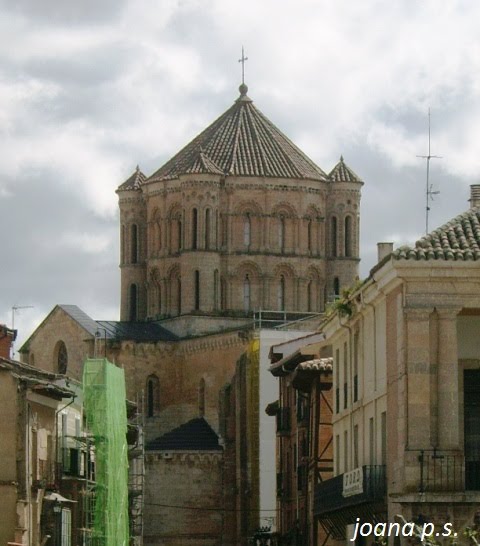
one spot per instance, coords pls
(446, 471)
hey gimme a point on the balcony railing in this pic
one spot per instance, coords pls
(446, 471)
(368, 486)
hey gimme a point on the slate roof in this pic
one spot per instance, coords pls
(458, 239)
(134, 331)
(134, 181)
(343, 173)
(196, 435)
(241, 142)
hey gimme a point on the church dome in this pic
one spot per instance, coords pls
(241, 142)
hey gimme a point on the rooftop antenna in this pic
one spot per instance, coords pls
(15, 308)
(429, 192)
(243, 60)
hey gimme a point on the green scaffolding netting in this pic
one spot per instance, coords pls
(106, 414)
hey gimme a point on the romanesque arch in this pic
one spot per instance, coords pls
(284, 281)
(248, 286)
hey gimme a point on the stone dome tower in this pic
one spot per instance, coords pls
(238, 220)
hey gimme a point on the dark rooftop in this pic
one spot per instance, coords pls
(196, 435)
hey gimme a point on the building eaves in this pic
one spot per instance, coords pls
(457, 240)
(134, 331)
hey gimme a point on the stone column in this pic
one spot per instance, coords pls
(448, 399)
(418, 371)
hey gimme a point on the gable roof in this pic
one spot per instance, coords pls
(343, 173)
(134, 331)
(242, 142)
(196, 435)
(458, 239)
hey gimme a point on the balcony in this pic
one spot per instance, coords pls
(342, 499)
(444, 471)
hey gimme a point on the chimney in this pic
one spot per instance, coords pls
(7, 337)
(384, 249)
(474, 196)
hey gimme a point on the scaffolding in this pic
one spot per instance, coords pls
(106, 418)
(136, 474)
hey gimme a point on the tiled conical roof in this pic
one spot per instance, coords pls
(241, 142)
(458, 239)
(134, 181)
(342, 173)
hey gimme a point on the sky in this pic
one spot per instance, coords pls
(90, 89)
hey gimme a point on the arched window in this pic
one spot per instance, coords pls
(61, 357)
(201, 398)
(158, 233)
(207, 229)
(281, 294)
(348, 236)
(179, 296)
(336, 286)
(246, 294)
(215, 290)
(247, 231)
(134, 244)
(122, 245)
(281, 233)
(152, 401)
(133, 302)
(309, 236)
(309, 295)
(194, 228)
(223, 294)
(197, 289)
(179, 234)
(333, 236)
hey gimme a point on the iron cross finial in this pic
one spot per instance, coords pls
(242, 60)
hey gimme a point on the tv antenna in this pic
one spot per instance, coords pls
(429, 191)
(15, 308)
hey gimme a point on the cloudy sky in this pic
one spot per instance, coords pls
(89, 89)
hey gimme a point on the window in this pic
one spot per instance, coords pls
(207, 229)
(201, 397)
(345, 376)
(333, 236)
(223, 294)
(309, 236)
(348, 236)
(134, 244)
(355, 446)
(179, 296)
(197, 290)
(246, 294)
(355, 367)
(371, 432)
(153, 396)
(61, 357)
(215, 289)
(337, 381)
(281, 233)
(179, 234)
(309, 295)
(194, 228)
(133, 302)
(383, 424)
(122, 245)
(247, 231)
(281, 294)
(337, 454)
(336, 286)
(345, 451)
